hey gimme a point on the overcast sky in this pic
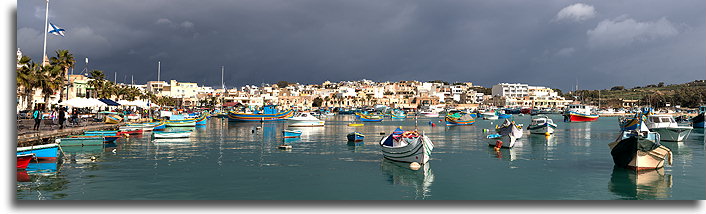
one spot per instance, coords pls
(551, 43)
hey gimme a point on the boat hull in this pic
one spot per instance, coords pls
(673, 134)
(452, 122)
(363, 119)
(419, 151)
(307, 124)
(113, 119)
(242, 117)
(80, 141)
(508, 140)
(48, 152)
(626, 154)
(355, 137)
(578, 117)
(542, 128)
(170, 135)
(291, 134)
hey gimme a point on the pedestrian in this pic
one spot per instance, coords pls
(62, 117)
(37, 116)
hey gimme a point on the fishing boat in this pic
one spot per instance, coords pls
(407, 146)
(129, 130)
(502, 114)
(80, 141)
(100, 133)
(305, 119)
(291, 133)
(580, 113)
(113, 119)
(541, 125)
(23, 160)
(170, 134)
(459, 118)
(507, 134)
(146, 126)
(160, 126)
(397, 114)
(355, 136)
(47, 152)
(489, 116)
(201, 120)
(106, 138)
(639, 149)
(268, 113)
(370, 118)
(698, 120)
(667, 127)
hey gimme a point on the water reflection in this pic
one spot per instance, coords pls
(504, 153)
(543, 147)
(400, 174)
(640, 185)
(41, 179)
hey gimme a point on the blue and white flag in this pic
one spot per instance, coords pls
(53, 29)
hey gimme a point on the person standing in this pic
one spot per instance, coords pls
(37, 116)
(62, 117)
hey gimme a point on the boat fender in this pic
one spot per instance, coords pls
(547, 134)
(93, 158)
(414, 166)
(433, 125)
(498, 144)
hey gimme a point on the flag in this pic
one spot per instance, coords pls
(56, 30)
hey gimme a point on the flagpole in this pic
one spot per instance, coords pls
(45, 61)
(159, 69)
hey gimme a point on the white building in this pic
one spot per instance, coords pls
(513, 90)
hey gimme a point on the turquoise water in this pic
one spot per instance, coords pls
(227, 161)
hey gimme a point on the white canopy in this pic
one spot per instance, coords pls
(82, 103)
(138, 103)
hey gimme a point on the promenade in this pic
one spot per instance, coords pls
(28, 137)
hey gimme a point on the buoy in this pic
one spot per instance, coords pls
(259, 127)
(253, 131)
(498, 144)
(93, 158)
(414, 166)
(285, 147)
(547, 134)
(433, 125)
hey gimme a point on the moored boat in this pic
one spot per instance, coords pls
(667, 127)
(542, 125)
(170, 134)
(23, 160)
(407, 146)
(201, 120)
(268, 113)
(305, 119)
(355, 136)
(129, 130)
(80, 141)
(459, 119)
(639, 150)
(698, 120)
(580, 113)
(370, 117)
(113, 119)
(291, 133)
(508, 133)
(489, 116)
(48, 152)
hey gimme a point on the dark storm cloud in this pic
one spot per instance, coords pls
(601, 44)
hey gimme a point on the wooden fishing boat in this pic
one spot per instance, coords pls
(46, 152)
(170, 134)
(269, 113)
(100, 133)
(542, 125)
(639, 150)
(129, 130)
(180, 123)
(159, 127)
(291, 133)
(80, 141)
(356, 124)
(370, 118)
(23, 160)
(407, 146)
(698, 120)
(201, 120)
(459, 119)
(355, 136)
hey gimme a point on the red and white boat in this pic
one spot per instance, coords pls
(580, 113)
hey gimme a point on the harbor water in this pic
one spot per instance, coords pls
(236, 161)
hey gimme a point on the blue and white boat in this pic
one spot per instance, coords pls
(291, 133)
(542, 125)
(407, 146)
(41, 152)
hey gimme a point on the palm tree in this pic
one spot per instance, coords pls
(64, 60)
(97, 80)
(49, 80)
(25, 79)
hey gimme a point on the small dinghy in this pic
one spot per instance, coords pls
(407, 146)
(170, 134)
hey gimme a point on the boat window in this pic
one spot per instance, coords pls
(655, 119)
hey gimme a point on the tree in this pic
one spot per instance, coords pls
(282, 84)
(26, 79)
(617, 88)
(660, 84)
(317, 102)
(97, 81)
(49, 80)
(64, 60)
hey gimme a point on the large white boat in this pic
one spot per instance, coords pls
(430, 111)
(667, 127)
(542, 125)
(305, 119)
(489, 115)
(407, 146)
